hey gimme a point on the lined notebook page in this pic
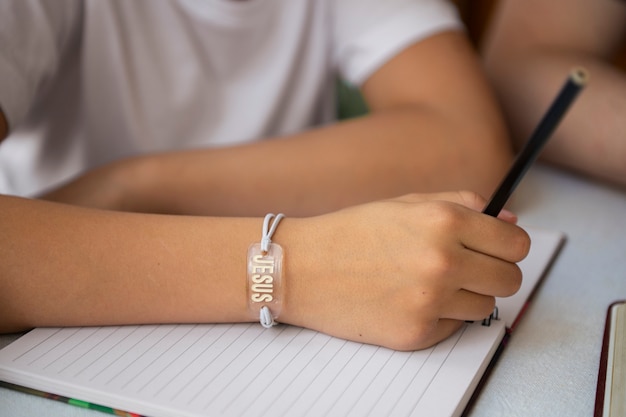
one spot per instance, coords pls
(245, 370)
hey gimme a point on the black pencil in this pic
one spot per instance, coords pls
(575, 82)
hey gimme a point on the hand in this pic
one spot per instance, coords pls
(402, 273)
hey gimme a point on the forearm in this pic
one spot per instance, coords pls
(385, 154)
(590, 137)
(64, 265)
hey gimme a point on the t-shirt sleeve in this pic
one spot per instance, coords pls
(33, 35)
(369, 33)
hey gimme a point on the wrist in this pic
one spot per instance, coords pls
(141, 186)
(296, 237)
(115, 184)
(174, 183)
(102, 188)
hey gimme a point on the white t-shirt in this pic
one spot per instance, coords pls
(83, 83)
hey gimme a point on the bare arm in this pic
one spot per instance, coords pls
(64, 265)
(529, 51)
(434, 126)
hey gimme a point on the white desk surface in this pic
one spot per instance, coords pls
(549, 367)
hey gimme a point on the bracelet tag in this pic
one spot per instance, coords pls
(265, 290)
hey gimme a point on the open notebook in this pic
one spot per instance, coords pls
(246, 370)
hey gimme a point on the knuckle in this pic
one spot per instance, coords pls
(440, 264)
(446, 217)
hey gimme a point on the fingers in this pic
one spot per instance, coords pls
(474, 230)
(503, 241)
(486, 275)
(467, 305)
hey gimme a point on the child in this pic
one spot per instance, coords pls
(223, 109)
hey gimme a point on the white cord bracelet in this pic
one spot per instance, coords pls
(265, 270)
